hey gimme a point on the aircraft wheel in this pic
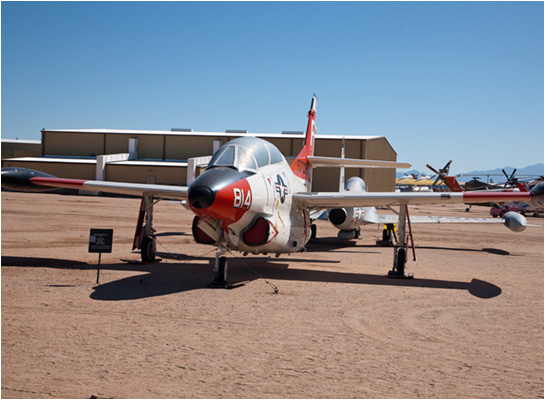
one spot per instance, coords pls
(313, 230)
(147, 249)
(222, 270)
(220, 280)
(398, 271)
(401, 255)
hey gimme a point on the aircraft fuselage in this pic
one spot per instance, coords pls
(253, 211)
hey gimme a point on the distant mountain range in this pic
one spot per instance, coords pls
(536, 169)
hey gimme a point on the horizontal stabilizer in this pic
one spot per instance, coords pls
(317, 161)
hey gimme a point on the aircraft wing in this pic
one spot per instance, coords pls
(368, 199)
(135, 189)
(317, 161)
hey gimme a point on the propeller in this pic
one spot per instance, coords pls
(511, 180)
(441, 173)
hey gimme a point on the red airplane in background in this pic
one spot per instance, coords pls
(249, 199)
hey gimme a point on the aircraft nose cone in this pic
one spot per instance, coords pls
(201, 197)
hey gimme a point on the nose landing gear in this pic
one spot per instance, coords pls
(220, 270)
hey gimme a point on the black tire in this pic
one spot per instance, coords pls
(401, 255)
(313, 230)
(221, 278)
(147, 249)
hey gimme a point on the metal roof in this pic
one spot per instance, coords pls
(68, 160)
(148, 163)
(21, 141)
(87, 160)
(194, 133)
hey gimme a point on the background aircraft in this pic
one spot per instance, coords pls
(249, 199)
(415, 183)
(513, 183)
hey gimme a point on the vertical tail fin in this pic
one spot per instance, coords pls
(301, 167)
(341, 175)
(521, 187)
(453, 184)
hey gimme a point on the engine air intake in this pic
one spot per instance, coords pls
(258, 233)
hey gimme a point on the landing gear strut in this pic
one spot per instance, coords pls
(144, 236)
(220, 270)
(400, 248)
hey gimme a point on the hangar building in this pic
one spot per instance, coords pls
(21, 148)
(163, 157)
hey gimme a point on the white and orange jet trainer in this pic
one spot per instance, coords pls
(249, 199)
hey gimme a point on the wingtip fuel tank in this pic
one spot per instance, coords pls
(514, 221)
(19, 179)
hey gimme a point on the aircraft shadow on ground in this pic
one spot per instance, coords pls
(498, 252)
(330, 243)
(169, 278)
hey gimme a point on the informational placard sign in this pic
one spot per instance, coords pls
(100, 240)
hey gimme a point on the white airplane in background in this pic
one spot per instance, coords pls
(249, 199)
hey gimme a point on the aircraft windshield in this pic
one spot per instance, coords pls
(246, 154)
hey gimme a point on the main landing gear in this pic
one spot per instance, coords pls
(144, 236)
(148, 249)
(400, 247)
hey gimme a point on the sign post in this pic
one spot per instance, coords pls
(100, 241)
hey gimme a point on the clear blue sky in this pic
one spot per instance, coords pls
(441, 80)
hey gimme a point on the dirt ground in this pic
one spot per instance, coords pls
(470, 325)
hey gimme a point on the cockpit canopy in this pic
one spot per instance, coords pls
(246, 154)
